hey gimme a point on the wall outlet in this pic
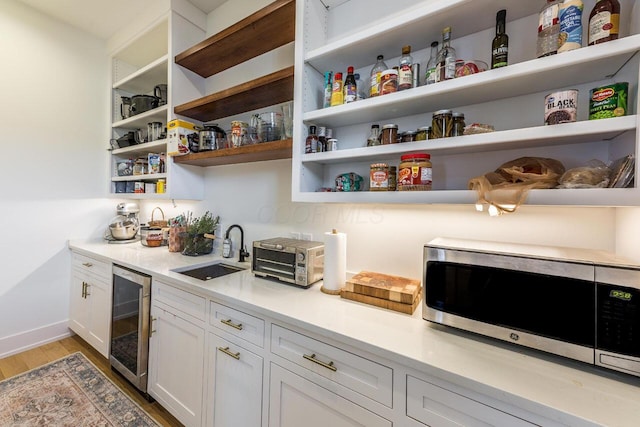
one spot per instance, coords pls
(295, 235)
(307, 236)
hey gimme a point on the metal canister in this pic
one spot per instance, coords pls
(332, 144)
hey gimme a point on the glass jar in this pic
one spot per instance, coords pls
(374, 136)
(423, 133)
(379, 177)
(389, 134)
(442, 124)
(393, 180)
(388, 81)
(414, 172)
(458, 124)
(408, 136)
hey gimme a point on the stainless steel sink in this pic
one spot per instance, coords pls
(211, 271)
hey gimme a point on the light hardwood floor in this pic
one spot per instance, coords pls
(30, 359)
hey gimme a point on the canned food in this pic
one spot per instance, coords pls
(379, 177)
(415, 172)
(561, 107)
(608, 101)
(388, 81)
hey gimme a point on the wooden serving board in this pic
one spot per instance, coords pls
(379, 302)
(383, 286)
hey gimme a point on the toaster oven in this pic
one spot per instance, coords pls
(293, 261)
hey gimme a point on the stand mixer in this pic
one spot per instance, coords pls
(124, 227)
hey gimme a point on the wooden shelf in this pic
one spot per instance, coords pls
(273, 150)
(267, 29)
(264, 91)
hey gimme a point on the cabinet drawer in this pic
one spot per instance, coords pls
(91, 265)
(185, 302)
(242, 325)
(435, 406)
(361, 375)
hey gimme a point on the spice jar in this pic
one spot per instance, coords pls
(389, 134)
(379, 177)
(458, 124)
(408, 136)
(442, 124)
(423, 133)
(392, 178)
(415, 172)
(388, 81)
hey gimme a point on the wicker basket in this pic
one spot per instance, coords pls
(158, 223)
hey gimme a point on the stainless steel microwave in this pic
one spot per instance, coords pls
(581, 304)
(298, 262)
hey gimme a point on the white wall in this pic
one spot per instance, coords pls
(54, 139)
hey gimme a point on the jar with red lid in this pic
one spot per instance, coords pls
(414, 172)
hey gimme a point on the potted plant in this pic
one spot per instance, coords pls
(199, 234)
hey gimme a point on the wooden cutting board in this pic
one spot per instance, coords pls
(383, 286)
(384, 303)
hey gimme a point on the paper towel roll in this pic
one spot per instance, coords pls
(335, 262)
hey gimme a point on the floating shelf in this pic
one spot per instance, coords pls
(249, 153)
(264, 91)
(267, 29)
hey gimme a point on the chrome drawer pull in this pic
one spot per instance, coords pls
(87, 264)
(228, 322)
(313, 359)
(228, 353)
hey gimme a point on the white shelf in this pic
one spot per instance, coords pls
(139, 121)
(159, 145)
(141, 81)
(579, 66)
(141, 196)
(145, 177)
(541, 136)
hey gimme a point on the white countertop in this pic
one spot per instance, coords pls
(525, 378)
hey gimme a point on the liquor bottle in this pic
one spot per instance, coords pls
(322, 139)
(549, 29)
(327, 89)
(604, 21)
(337, 93)
(432, 65)
(405, 69)
(311, 143)
(350, 87)
(446, 58)
(374, 83)
(500, 45)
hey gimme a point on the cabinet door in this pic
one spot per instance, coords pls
(78, 307)
(176, 365)
(98, 297)
(295, 401)
(235, 385)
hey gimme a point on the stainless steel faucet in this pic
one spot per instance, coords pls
(242, 253)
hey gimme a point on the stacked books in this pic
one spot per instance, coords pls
(392, 292)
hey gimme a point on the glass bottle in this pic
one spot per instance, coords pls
(405, 69)
(362, 93)
(432, 65)
(328, 87)
(374, 83)
(322, 139)
(311, 143)
(549, 29)
(337, 93)
(350, 87)
(604, 21)
(446, 62)
(374, 136)
(500, 45)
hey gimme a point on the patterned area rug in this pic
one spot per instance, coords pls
(68, 392)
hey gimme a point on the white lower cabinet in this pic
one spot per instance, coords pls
(295, 401)
(234, 384)
(177, 358)
(90, 303)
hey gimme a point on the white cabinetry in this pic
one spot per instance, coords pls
(236, 366)
(177, 352)
(90, 304)
(138, 68)
(350, 33)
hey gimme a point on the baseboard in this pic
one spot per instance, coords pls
(23, 341)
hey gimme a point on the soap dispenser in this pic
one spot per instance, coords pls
(226, 248)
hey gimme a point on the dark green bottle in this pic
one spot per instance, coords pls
(500, 45)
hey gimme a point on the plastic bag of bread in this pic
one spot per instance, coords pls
(506, 188)
(595, 175)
